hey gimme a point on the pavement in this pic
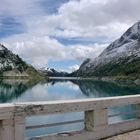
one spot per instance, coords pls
(134, 135)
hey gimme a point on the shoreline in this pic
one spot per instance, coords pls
(115, 79)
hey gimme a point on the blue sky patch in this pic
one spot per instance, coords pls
(62, 64)
(83, 41)
(10, 26)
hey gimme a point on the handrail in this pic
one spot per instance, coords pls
(12, 116)
(77, 105)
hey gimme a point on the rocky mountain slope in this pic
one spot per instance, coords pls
(12, 65)
(10, 61)
(122, 57)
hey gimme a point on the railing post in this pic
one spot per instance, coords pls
(138, 109)
(7, 129)
(0, 130)
(12, 126)
(12, 129)
(19, 127)
(96, 119)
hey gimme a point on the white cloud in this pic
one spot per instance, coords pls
(89, 18)
(38, 50)
(81, 52)
(77, 18)
(18, 8)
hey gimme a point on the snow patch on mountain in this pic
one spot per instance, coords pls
(2, 47)
(127, 45)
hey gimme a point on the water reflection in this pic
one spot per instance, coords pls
(105, 89)
(25, 91)
(10, 89)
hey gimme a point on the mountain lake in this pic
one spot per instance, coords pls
(24, 91)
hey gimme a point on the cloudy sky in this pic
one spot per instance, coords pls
(63, 33)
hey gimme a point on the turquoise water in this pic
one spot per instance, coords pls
(24, 91)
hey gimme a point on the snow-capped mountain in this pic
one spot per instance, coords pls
(54, 73)
(10, 61)
(2, 47)
(120, 57)
(13, 65)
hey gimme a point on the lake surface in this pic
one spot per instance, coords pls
(24, 91)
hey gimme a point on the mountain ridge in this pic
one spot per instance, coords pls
(122, 57)
(53, 72)
(12, 66)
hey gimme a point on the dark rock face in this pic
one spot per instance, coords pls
(10, 61)
(12, 65)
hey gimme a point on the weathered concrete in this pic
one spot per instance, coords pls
(96, 119)
(53, 107)
(134, 135)
(12, 118)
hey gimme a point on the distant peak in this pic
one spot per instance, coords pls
(2, 47)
